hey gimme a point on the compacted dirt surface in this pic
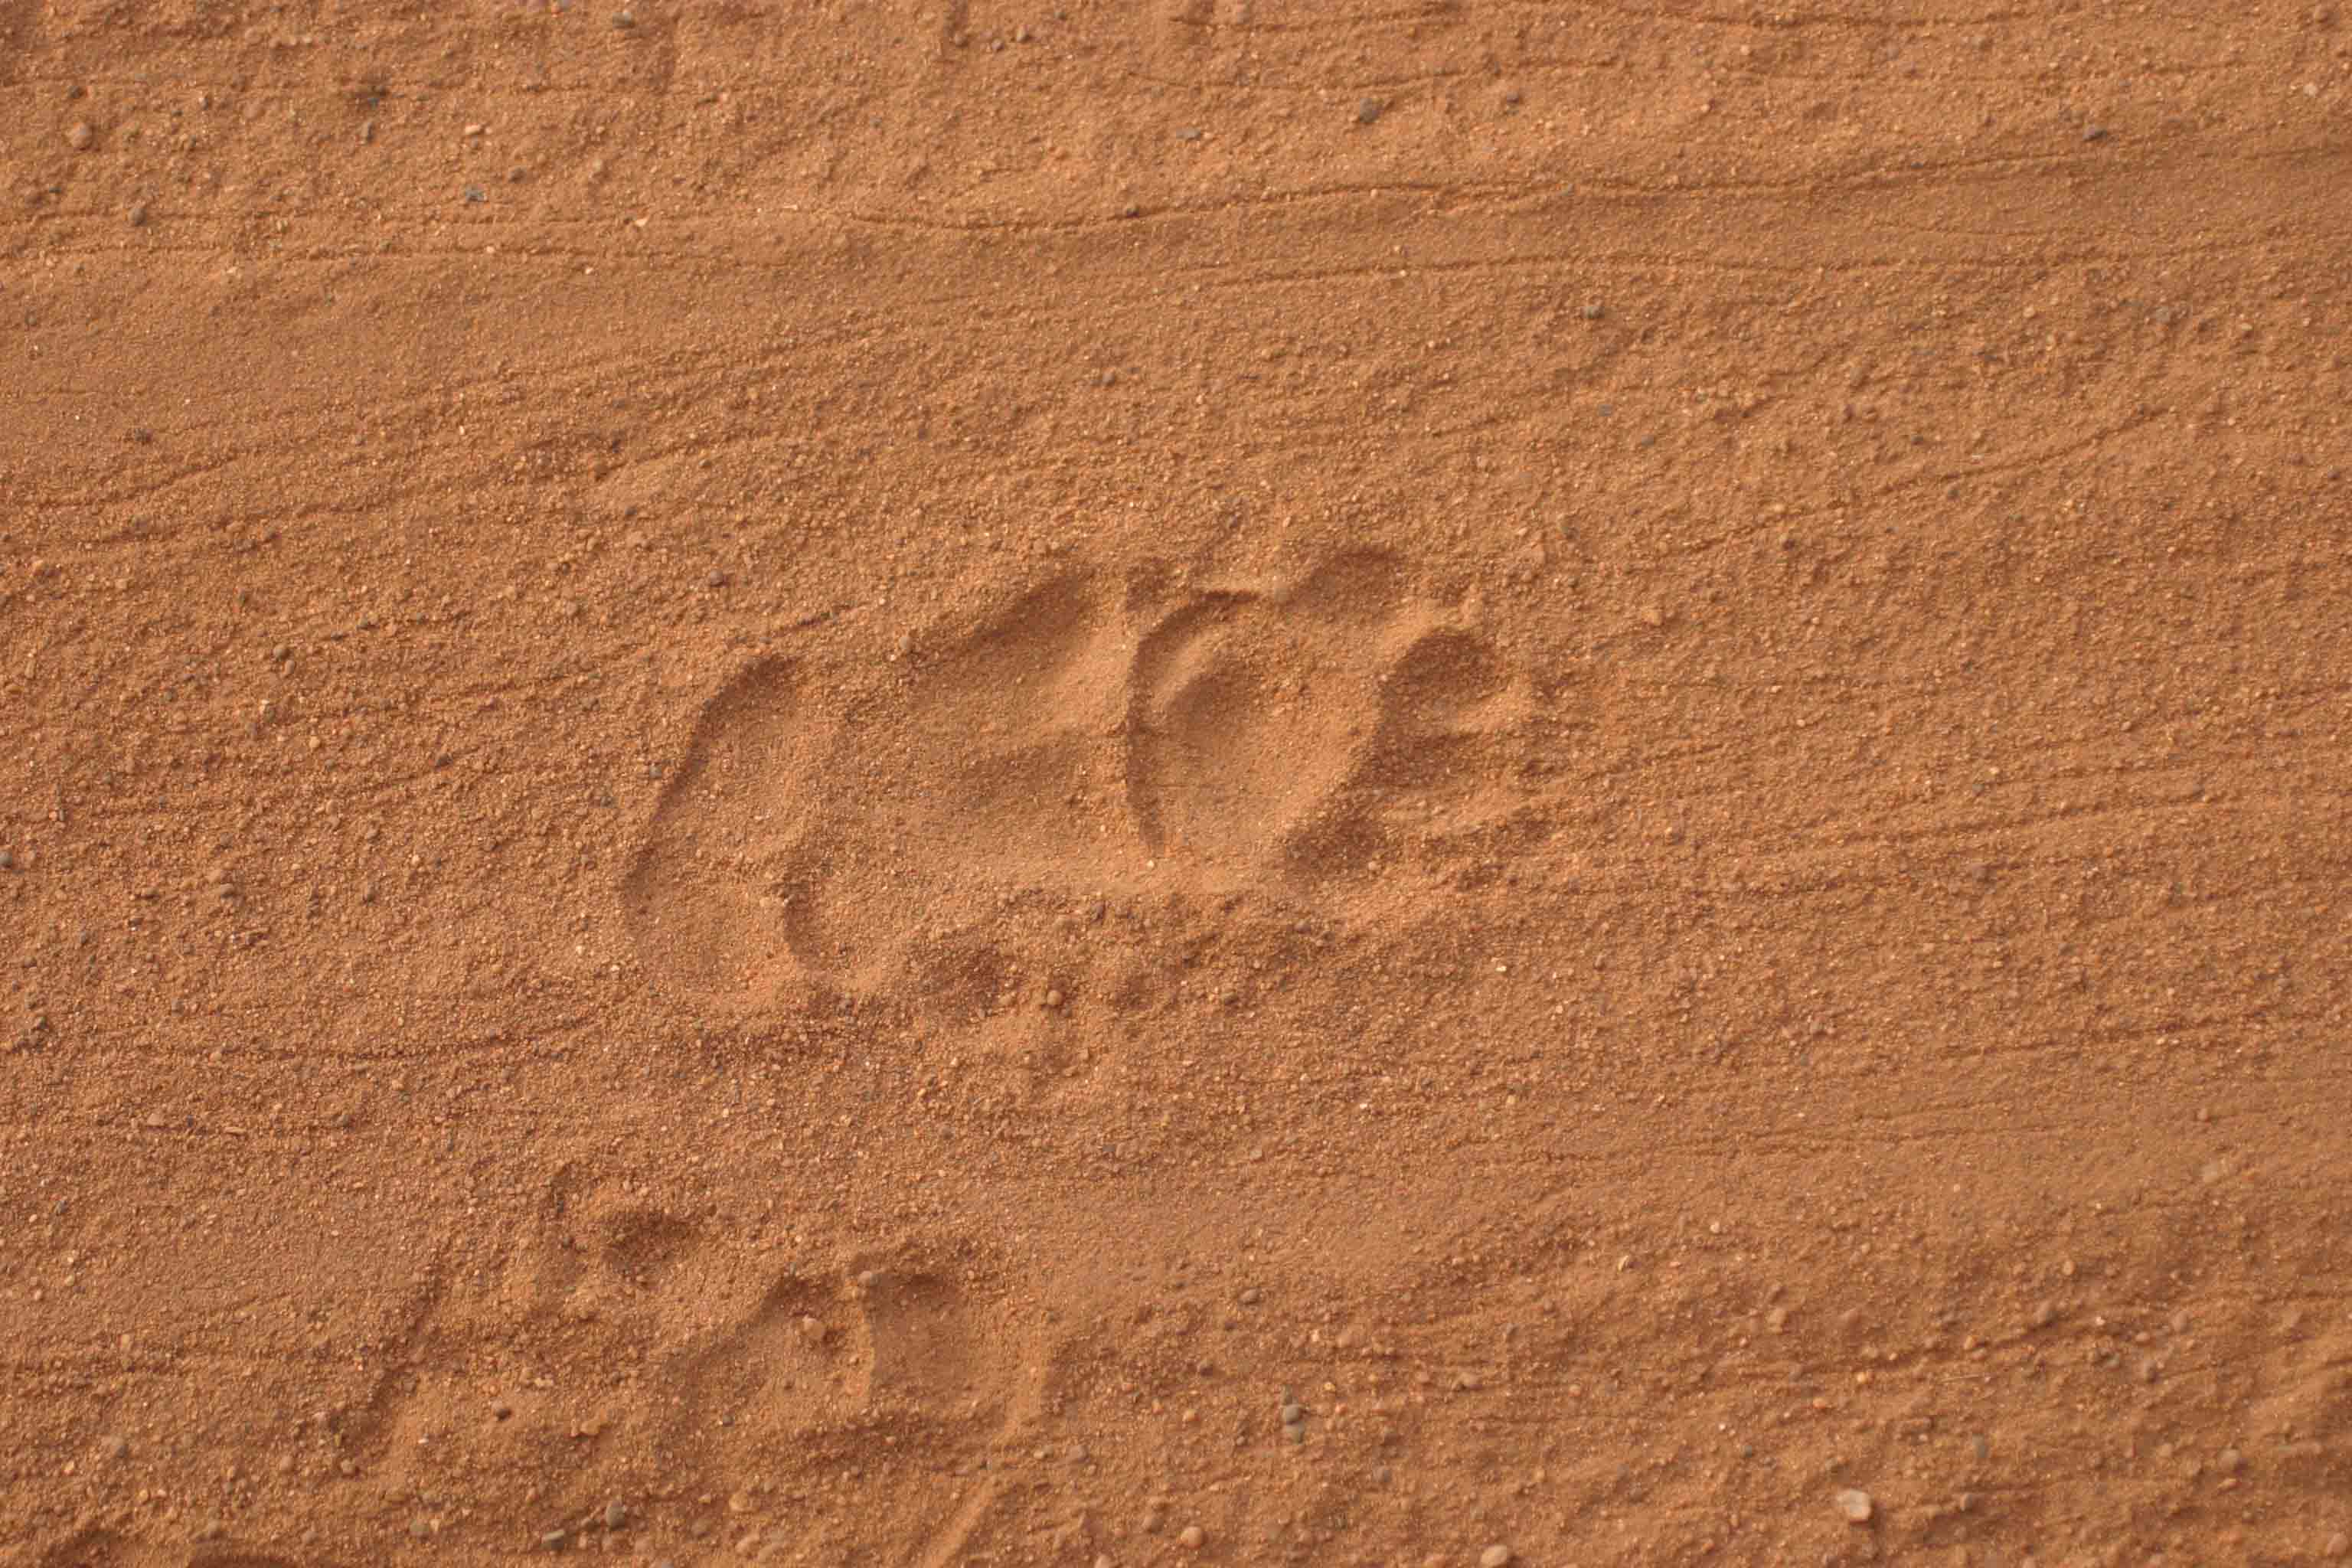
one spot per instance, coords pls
(1223, 781)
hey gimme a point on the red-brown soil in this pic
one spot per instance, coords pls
(837, 770)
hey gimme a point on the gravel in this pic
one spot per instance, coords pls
(1856, 1506)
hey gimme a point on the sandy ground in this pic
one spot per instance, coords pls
(1227, 781)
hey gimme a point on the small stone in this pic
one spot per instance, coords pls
(1368, 110)
(2095, 133)
(1594, 310)
(138, 215)
(625, 19)
(117, 1447)
(616, 1514)
(1855, 1505)
(347, 1468)
(1189, 133)
(2229, 1461)
(553, 1540)
(1495, 1556)
(476, 193)
(1192, 1537)
(811, 1331)
(1292, 1414)
(81, 137)
(1053, 998)
(500, 1410)
(419, 1528)
(2337, 1545)
(738, 1503)
(2045, 1315)
(1249, 1298)
(1155, 1518)
(1777, 1319)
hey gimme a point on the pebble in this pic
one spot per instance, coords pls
(1368, 110)
(1595, 310)
(616, 1514)
(625, 19)
(1495, 1556)
(1292, 1414)
(80, 136)
(553, 1540)
(1192, 1537)
(138, 215)
(1855, 1505)
(2229, 1461)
